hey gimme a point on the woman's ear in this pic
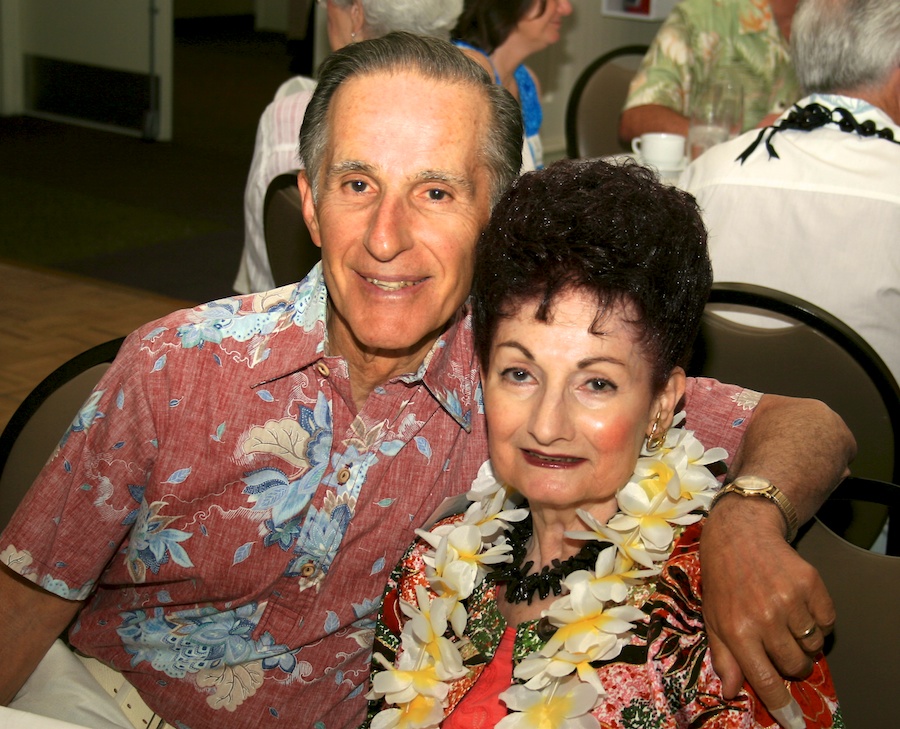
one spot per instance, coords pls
(668, 398)
(357, 20)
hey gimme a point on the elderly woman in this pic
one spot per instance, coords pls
(500, 35)
(275, 151)
(568, 592)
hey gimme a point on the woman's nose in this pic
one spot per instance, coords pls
(550, 418)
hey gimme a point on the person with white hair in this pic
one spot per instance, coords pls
(275, 150)
(811, 205)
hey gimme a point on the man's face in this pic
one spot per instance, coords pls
(403, 196)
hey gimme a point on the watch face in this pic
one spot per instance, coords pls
(752, 483)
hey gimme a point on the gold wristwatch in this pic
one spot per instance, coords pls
(756, 486)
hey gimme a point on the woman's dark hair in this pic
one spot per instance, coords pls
(612, 231)
(485, 24)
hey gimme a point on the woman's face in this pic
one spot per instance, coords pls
(542, 29)
(568, 409)
(343, 22)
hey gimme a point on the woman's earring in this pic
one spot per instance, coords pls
(657, 437)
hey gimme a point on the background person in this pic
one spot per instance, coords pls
(275, 150)
(221, 514)
(812, 207)
(500, 35)
(699, 38)
(580, 329)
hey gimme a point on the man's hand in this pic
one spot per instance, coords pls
(760, 598)
(639, 120)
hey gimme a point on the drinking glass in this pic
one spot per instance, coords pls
(717, 114)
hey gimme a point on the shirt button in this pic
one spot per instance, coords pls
(343, 475)
(323, 369)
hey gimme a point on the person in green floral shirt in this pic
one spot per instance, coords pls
(750, 37)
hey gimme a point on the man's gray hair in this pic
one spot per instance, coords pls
(433, 59)
(845, 45)
(422, 17)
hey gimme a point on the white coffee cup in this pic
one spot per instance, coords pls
(661, 150)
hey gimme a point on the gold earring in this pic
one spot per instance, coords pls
(657, 437)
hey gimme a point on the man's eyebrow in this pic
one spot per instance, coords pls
(350, 165)
(459, 181)
(449, 178)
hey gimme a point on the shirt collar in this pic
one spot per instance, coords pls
(862, 110)
(298, 316)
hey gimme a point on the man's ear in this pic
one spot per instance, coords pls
(308, 206)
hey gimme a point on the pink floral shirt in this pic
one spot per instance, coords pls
(231, 518)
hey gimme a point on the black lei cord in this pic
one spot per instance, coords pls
(521, 586)
(813, 116)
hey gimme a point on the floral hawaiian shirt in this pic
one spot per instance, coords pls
(701, 36)
(231, 518)
(662, 680)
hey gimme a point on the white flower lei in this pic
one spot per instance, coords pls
(593, 619)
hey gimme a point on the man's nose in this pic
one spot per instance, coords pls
(389, 231)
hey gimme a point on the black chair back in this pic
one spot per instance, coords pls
(288, 244)
(816, 356)
(596, 99)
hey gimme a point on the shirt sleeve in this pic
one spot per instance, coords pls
(717, 413)
(78, 512)
(664, 75)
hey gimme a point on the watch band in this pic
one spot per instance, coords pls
(757, 486)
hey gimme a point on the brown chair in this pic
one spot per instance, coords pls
(596, 99)
(288, 244)
(37, 425)
(818, 356)
(865, 588)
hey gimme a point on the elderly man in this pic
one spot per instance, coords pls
(812, 205)
(748, 38)
(223, 512)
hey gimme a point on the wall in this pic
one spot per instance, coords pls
(106, 34)
(204, 8)
(587, 34)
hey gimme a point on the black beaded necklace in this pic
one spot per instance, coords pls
(813, 116)
(521, 586)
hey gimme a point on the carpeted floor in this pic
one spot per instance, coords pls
(163, 216)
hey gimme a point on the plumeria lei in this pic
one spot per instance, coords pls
(558, 685)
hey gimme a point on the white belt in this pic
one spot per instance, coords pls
(126, 696)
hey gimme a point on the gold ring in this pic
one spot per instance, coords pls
(808, 632)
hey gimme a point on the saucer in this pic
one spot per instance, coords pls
(668, 176)
(667, 171)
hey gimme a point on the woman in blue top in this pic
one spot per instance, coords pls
(500, 35)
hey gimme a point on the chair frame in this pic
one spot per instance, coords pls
(96, 355)
(285, 263)
(855, 488)
(571, 120)
(779, 302)
(867, 610)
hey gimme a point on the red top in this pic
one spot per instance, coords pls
(481, 707)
